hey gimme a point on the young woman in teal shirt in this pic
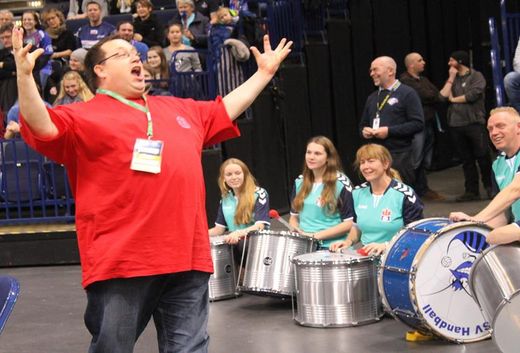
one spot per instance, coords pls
(244, 206)
(321, 199)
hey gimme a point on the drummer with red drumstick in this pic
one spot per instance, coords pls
(382, 205)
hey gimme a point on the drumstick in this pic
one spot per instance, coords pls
(274, 214)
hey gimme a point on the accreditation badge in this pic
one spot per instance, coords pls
(147, 156)
(375, 122)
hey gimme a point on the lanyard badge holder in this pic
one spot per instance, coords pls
(377, 120)
(147, 153)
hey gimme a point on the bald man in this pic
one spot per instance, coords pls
(423, 142)
(392, 116)
(504, 131)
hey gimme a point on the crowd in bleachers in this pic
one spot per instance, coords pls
(182, 47)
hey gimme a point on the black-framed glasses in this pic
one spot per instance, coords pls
(120, 54)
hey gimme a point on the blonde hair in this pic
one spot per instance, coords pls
(379, 152)
(332, 167)
(84, 92)
(509, 110)
(246, 192)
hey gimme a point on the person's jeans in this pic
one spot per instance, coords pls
(403, 163)
(118, 310)
(512, 87)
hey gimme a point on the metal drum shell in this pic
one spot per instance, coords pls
(337, 292)
(222, 282)
(268, 269)
(495, 284)
(417, 320)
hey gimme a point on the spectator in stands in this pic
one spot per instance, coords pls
(147, 27)
(195, 25)
(34, 34)
(392, 116)
(512, 81)
(183, 61)
(466, 121)
(423, 142)
(222, 30)
(77, 60)
(96, 29)
(8, 88)
(73, 90)
(5, 16)
(63, 40)
(76, 13)
(150, 89)
(208, 8)
(125, 29)
(121, 6)
(159, 66)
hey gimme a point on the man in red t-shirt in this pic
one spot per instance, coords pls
(134, 167)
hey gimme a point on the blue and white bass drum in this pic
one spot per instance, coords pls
(424, 275)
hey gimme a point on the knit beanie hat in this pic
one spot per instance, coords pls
(461, 56)
(79, 54)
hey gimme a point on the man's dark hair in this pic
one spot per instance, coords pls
(123, 22)
(7, 27)
(94, 56)
(93, 2)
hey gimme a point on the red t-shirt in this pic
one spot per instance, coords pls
(131, 223)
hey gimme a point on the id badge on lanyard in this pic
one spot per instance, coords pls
(376, 121)
(147, 156)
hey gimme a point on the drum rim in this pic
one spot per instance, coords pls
(320, 262)
(281, 233)
(360, 323)
(263, 290)
(413, 269)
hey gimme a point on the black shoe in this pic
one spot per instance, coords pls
(468, 196)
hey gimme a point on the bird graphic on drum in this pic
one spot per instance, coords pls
(428, 288)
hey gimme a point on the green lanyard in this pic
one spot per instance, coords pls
(149, 129)
(392, 89)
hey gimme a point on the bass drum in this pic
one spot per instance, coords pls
(424, 277)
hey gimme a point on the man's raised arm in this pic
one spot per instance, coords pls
(237, 101)
(31, 104)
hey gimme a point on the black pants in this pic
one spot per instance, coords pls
(403, 163)
(472, 143)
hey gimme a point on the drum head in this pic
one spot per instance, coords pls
(441, 288)
(506, 325)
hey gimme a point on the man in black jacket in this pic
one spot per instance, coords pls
(392, 116)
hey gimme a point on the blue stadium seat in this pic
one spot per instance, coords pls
(9, 290)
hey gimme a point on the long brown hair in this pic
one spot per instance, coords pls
(246, 192)
(333, 166)
(83, 92)
(379, 152)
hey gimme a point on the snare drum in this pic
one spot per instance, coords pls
(424, 278)
(336, 289)
(268, 269)
(495, 283)
(222, 283)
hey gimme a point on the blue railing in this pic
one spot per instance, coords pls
(496, 64)
(33, 189)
